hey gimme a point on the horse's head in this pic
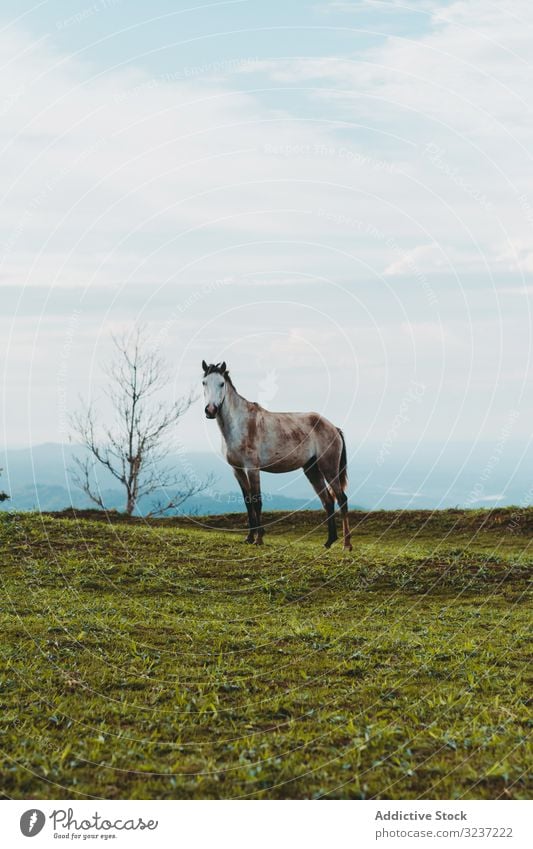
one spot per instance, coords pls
(214, 383)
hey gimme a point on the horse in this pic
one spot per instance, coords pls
(257, 440)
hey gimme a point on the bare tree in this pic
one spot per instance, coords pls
(134, 448)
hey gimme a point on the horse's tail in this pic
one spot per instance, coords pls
(343, 463)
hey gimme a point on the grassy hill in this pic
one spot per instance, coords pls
(169, 660)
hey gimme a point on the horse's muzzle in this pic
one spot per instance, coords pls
(211, 411)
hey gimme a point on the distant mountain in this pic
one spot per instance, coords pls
(56, 498)
(41, 497)
(394, 476)
(40, 478)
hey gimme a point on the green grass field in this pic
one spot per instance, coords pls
(170, 660)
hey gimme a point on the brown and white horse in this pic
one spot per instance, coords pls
(256, 440)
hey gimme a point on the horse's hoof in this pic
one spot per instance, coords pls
(329, 543)
(249, 541)
(348, 547)
(258, 541)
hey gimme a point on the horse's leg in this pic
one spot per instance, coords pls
(257, 503)
(317, 481)
(244, 484)
(332, 478)
(342, 498)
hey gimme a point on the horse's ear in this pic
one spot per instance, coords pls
(223, 368)
(204, 365)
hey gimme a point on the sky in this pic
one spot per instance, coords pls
(334, 197)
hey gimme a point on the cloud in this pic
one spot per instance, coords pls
(121, 176)
(517, 255)
(316, 180)
(467, 71)
(523, 291)
(426, 259)
(454, 103)
(423, 257)
(351, 6)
